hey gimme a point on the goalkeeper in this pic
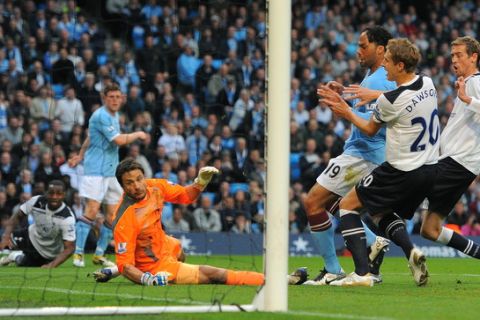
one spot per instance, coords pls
(144, 253)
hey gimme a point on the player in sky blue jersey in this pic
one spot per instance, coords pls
(361, 155)
(99, 185)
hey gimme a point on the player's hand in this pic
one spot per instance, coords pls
(334, 101)
(365, 95)
(102, 275)
(74, 161)
(160, 279)
(461, 90)
(205, 175)
(142, 136)
(335, 86)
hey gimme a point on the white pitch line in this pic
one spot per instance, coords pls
(121, 295)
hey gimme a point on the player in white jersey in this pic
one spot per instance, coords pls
(50, 239)
(459, 149)
(99, 185)
(410, 113)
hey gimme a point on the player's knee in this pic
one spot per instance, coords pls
(213, 275)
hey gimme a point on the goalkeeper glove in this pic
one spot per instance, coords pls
(205, 175)
(160, 279)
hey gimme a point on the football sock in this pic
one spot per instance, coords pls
(394, 228)
(369, 235)
(459, 242)
(244, 278)
(319, 221)
(326, 245)
(82, 227)
(103, 240)
(354, 235)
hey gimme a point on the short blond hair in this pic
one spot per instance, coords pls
(402, 50)
(471, 44)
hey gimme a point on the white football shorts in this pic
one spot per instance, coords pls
(343, 173)
(105, 190)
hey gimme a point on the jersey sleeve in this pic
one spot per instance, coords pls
(172, 192)
(68, 228)
(107, 127)
(27, 207)
(384, 110)
(473, 88)
(125, 236)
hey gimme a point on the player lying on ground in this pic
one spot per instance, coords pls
(144, 253)
(50, 239)
(395, 189)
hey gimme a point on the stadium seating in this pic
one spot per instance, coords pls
(234, 187)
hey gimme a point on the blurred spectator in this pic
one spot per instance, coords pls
(228, 213)
(13, 132)
(171, 140)
(459, 215)
(8, 169)
(43, 108)
(196, 145)
(242, 225)
(134, 152)
(62, 70)
(177, 223)
(207, 218)
(70, 111)
(471, 227)
(47, 171)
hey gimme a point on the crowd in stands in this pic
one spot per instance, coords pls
(194, 78)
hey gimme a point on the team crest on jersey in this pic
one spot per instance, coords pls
(122, 247)
(111, 128)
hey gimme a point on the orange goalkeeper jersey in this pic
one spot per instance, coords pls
(137, 229)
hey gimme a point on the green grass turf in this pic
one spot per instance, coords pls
(453, 292)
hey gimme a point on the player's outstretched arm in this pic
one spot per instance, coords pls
(335, 102)
(191, 192)
(68, 248)
(127, 138)
(365, 95)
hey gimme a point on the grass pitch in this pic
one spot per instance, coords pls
(453, 292)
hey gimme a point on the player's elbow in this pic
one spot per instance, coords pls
(119, 141)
